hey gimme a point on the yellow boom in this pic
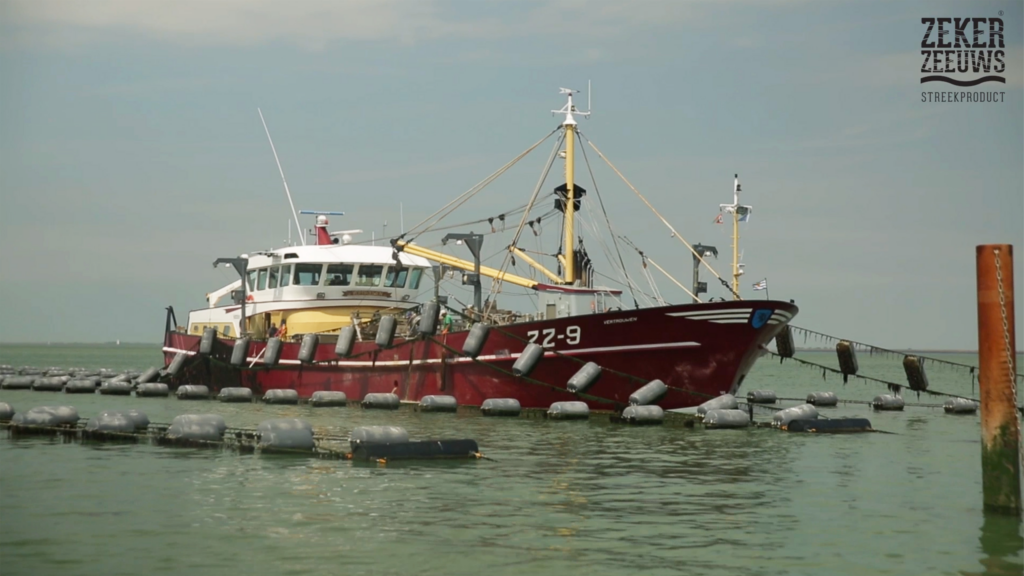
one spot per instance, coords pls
(461, 264)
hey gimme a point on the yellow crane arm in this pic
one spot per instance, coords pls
(461, 264)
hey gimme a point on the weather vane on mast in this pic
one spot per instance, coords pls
(740, 213)
(570, 109)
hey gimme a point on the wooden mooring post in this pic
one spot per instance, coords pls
(997, 359)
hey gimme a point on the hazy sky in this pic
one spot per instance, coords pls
(131, 153)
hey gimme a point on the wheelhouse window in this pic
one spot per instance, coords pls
(369, 275)
(272, 280)
(396, 278)
(308, 274)
(252, 280)
(261, 281)
(414, 278)
(286, 275)
(339, 274)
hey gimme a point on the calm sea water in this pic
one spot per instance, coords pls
(559, 497)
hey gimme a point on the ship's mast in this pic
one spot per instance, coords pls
(740, 213)
(568, 256)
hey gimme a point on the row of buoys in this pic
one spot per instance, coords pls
(291, 435)
(104, 374)
(77, 381)
(846, 352)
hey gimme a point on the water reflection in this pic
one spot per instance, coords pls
(1002, 544)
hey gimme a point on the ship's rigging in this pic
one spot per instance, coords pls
(572, 264)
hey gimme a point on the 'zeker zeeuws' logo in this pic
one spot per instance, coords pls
(978, 54)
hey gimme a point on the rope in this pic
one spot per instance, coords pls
(600, 201)
(662, 218)
(461, 199)
(496, 283)
(872, 349)
(893, 386)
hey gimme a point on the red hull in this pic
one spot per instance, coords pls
(706, 349)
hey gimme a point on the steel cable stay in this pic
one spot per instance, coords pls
(608, 221)
(872, 349)
(461, 199)
(893, 386)
(662, 218)
(496, 283)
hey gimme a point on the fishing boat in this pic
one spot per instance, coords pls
(359, 318)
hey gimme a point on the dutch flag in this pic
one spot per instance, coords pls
(762, 285)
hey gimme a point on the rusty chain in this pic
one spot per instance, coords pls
(1010, 355)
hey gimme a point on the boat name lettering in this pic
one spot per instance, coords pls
(621, 320)
(549, 335)
(371, 293)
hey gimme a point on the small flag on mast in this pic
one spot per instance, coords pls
(762, 285)
(718, 219)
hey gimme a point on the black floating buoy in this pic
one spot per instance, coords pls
(428, 319)
(643, 415)
(501, 407)
(584, 378)
(177, 364)
(377, 435)
(235, 394)
(784, 342)
(438, 403)
(916, 378)
(207, 340)
(386, 331)
(291, 434)
(571, 410)
(48, 384)
(116, 388)
(476, 339)
(528, 360)
(726, 418)
(6, 412)
(110, 422)
(832, 426)
(820, 399)
(192, 392)
(149, 375)
(761, 397)
(346, 340)
(723, 402)
(381, 401)
(648, 393)
(80, 386)
(327, 398)
(18, 382)
(281, 396)
(150, 390)
(888, 402)
(782, 418)
(307, 350)
(272, 353)
(240, 352)
(420, 450)
(47, 417)
(847, 358)
(202, 427)
(960, 406)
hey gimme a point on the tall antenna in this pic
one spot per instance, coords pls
(281, 170)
